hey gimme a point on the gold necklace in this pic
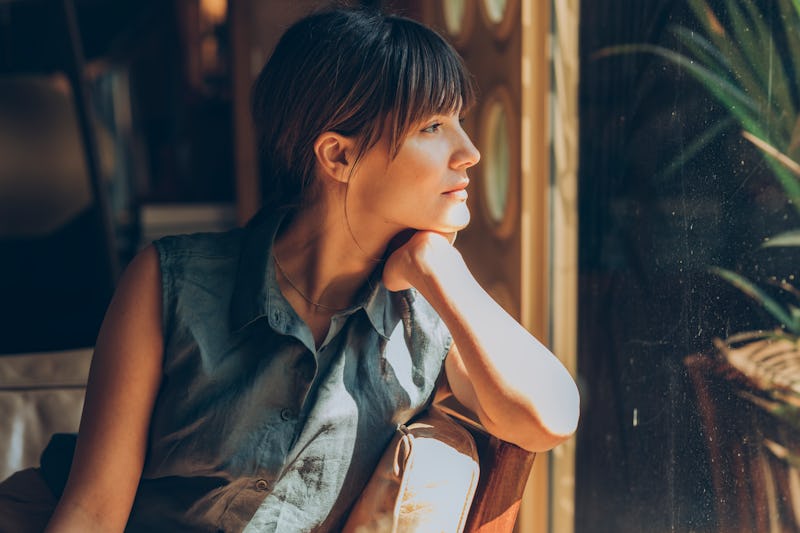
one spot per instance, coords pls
(306, 298)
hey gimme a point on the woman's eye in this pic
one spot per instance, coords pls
(433, 128)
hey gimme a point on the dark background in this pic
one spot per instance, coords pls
(647, 299)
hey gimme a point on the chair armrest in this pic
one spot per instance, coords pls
(505, 469)
(425, 480)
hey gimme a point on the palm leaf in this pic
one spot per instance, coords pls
(741, 69)
(734, 99)
(788, 238)
(729, 63)
(763, 299)
(786, 170)
(791, 30)
(746, 43)
(703, 50)
(772, 72)
(794, 141)
(773, 152)
(782, 452)
(696, 146)
(795, 312)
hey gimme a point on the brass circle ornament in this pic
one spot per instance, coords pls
(499, 162)
(499, 15)
(458, 18)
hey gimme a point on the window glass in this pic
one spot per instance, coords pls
(454, 12)
(497, 162)
(495, 9)
(687, 330)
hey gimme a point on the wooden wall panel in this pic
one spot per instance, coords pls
(495, 63)
(511, 61)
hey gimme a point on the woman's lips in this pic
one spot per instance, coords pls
(457, 194)
(459, 191)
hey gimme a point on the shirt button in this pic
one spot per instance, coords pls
(262, 485)
(286, 414)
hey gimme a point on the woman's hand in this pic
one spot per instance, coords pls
(414, 253)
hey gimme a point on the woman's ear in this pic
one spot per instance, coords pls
(334, 153)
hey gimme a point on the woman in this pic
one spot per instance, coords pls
(251, 379)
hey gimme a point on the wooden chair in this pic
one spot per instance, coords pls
(504, 472)
(505, 469)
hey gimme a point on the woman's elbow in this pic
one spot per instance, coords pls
(536, 437)
(561, 419)
(542, 428)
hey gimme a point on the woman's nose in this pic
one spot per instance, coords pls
(468, 155)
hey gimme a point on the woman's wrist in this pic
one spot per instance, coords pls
(441, 273)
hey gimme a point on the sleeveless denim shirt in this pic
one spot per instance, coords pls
(255, 428)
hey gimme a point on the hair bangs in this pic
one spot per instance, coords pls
(431, 79)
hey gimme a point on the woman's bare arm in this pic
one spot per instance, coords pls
(123, 382)
(520, 391)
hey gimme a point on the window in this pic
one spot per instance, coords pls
(682, 181)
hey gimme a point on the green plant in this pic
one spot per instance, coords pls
(786, 315)
(751, 65)
(749, 61)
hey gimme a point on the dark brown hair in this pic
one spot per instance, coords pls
(349, 71)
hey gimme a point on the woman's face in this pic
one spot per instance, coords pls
(424, 187)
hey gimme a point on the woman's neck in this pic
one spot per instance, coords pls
(322, 261)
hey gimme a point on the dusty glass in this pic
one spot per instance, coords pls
(688, 307)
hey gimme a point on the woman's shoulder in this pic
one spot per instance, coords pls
(214, 244)
(198, 259)
(206, 243)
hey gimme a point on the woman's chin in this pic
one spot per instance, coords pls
(456, 222)
(461, 218)
(452, 221)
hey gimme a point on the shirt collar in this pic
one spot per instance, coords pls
(256, 291)
(381, 306)
(250, 299)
